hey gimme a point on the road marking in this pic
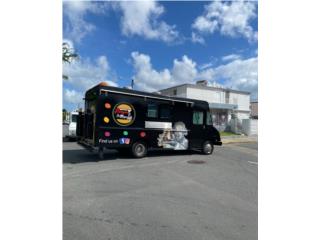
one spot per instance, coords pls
(253, 162)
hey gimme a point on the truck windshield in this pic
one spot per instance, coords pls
(74, 118)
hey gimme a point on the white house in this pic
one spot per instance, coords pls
(224, 103)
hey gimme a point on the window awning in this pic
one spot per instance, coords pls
(222, 106)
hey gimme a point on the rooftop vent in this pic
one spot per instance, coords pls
(202, 82)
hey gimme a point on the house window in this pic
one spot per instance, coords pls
(152, 111)
(175, 92)
(165, 112)
(197, 118)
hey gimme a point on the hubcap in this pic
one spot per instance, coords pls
(140, 149)
(208, 148)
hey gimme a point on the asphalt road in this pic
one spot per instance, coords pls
(161, 196)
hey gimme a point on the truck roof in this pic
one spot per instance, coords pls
(131, 92)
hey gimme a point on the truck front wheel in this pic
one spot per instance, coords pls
(139, 150)
(207, 147)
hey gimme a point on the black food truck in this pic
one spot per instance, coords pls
(125, 119)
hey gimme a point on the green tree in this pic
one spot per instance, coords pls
(64, 114)
(68, 55)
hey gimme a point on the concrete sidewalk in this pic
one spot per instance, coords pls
(238, 139)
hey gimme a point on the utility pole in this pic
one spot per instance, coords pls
(132, 83)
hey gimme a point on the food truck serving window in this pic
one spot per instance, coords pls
(165, 111)
(152, 111)
(197, 118)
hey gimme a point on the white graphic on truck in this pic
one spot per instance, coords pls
(174, 138)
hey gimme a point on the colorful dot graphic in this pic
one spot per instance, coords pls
(106, 119)
(107, 105)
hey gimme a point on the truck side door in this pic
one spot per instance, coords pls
(198, 129)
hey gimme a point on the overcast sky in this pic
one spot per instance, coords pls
(160, 44)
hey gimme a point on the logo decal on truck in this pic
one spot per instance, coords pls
(123, 114)
(124, 140)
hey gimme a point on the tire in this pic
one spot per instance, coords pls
(207, 148)
(101, 154)
(139, 150)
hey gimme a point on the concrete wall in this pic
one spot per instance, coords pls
(240, 99)
(235, 126)
(250, 127)
(181, 92)
(168, 92)
(243, 115)
(213, 96)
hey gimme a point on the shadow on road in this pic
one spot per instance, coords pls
(68, 139)
(165, 153)
(83, 155)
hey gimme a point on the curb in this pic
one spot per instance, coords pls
(239, 140)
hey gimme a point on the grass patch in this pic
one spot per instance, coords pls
(228, 134)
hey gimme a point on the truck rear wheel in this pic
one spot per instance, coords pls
(207, 148)
(139, 150)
